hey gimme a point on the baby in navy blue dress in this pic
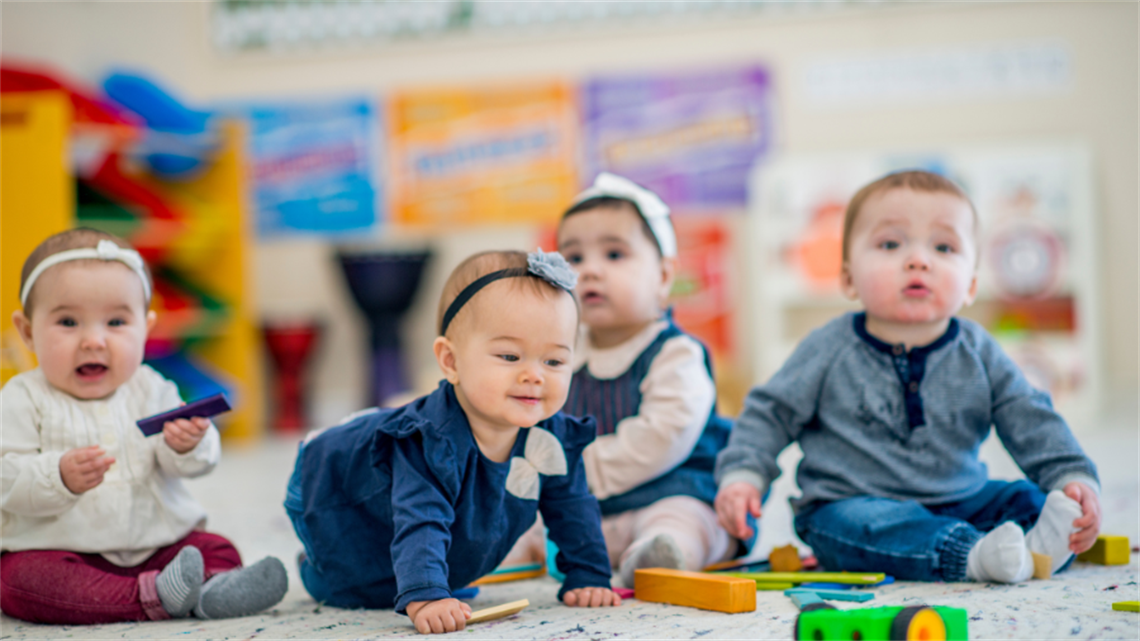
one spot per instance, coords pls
(400, 507)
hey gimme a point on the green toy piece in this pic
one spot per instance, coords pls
(852, 578)
(835, 595)
(892, 622)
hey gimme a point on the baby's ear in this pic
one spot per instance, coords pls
(668, 274)
(151, 319)
(24, 327)
(846, 284)
(445, 356)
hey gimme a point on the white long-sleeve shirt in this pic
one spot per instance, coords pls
(140, 506)
(677, 395)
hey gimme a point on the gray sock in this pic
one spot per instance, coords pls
(180, 582)
(244, 591)
(661, 552)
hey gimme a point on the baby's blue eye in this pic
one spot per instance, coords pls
(68, 322)
(117, 322)
(889, 244)
(553, 362)
(573, 259)
(510, 358)
(944, 248)
(615, 254)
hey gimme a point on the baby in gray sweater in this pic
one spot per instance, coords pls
(890, 406)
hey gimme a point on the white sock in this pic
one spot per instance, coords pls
(1051, 533)
(660, 552)
(1001, 556)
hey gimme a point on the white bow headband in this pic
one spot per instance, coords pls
(652, 208)
(105, 250)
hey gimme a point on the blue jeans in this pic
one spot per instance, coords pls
(909, 540)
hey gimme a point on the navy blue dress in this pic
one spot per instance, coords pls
(609, 401)
(399, 505)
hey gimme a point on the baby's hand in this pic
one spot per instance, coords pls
(590, 598)
(1089, 523)
(83, 468)
(434, 617)
(184, 434)
(733, 504)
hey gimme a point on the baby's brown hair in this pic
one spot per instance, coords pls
(478, 266)
(915, 179)
(78, 238)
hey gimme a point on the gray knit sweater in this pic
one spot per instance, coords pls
(875, 420)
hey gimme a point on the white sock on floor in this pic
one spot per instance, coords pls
(1001, 556)
(1051, 533)
(660, 552)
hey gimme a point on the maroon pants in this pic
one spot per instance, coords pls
(56, 586)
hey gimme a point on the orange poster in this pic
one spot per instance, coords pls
(465, 156)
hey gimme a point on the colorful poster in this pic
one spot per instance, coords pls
(313, 166)
(692, 138)
(468, 156)
(701, 297)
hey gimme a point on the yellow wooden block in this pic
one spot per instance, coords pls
(695, 590)
(1108, 550)
(498, 612)
(1126, 606)
(509, 576)
(785, 559)
(1042, 566)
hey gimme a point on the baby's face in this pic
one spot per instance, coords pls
(622, 281)
(911, 257)
(513, 355)
(89, 326)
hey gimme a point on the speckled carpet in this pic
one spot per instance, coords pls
(244, 496)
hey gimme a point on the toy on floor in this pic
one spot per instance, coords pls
(498, 612)
(1108, 550)
(892, 622)
(695, 590)
(1126, 606)
(204, 407)
(785, 559)
(854, 578)
(834, 595)
(513, 573)
(1042, 566)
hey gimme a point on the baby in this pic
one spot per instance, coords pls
(648, 384)
(97, 525)
(401, 507)
(890, 406)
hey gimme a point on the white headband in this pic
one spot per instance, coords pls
(105, 250)
(652, 208)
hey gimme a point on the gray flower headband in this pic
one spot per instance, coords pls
(104, 250)
(549, 266)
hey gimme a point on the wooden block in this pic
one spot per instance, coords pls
(695, 590)
(1126, 606)
(803, 597)
(853, 578)
(497, 612)
(785, 559)
(835, 595)
(1108, 550)
(1042, 566)
(509, 576)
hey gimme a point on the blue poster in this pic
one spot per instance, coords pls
(313, 166)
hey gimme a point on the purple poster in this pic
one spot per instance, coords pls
(691, 138)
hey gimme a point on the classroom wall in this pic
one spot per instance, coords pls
(298, 277)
